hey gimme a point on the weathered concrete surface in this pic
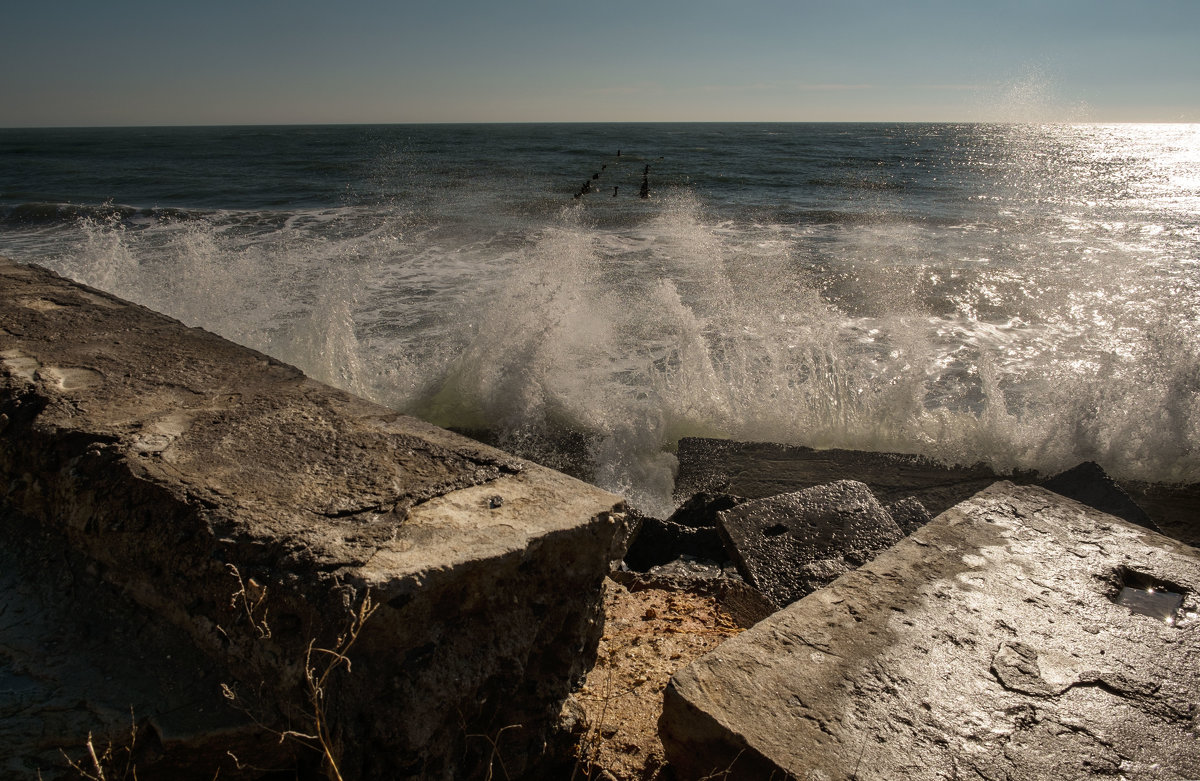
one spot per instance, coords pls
(985, 645)
(760, 469)
(789, 545)
(163, 455)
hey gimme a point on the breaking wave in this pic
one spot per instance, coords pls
(592, 336)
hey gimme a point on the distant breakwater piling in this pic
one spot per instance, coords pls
(620, 175)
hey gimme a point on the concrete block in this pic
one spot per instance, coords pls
(78, 659)
(761, 469)
(1015, 636)
(789, 545)
(251, 510)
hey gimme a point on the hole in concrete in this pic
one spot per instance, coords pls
(775, 531)
(1147, 596)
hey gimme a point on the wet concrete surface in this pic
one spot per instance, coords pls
(994, 642)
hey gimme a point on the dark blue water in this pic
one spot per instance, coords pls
(805, 171)
(1025, 295)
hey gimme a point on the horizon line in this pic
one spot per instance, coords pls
(153, 126)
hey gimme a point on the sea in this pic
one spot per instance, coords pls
(1022, 295)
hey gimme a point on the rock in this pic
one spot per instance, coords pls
(994, 642)
(789, 545)
(686, 552)
(744, 603)
(688, 573)
(246, 512)
(909, 514)
(690, 531)
(761, 469)
(1088, 483)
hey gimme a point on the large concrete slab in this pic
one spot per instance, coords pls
(165, 456)
(996, 642)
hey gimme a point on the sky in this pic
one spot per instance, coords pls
(183, 62)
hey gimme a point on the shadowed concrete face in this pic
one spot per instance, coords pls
(166, 456)
(998, 641)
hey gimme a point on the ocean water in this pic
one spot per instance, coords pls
(1023, 295)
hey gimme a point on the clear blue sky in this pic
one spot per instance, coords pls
(129, 62)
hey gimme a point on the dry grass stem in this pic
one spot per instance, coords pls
(251, 598)
(115, 763)
(320, 664)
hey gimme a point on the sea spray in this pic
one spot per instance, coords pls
(1025, 296)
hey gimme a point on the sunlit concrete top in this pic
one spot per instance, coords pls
(262, 446)
(234, 499)
(1008, 638)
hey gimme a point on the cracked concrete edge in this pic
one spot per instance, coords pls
(124, 414)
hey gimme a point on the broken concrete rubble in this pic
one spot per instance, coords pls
(248, 510)
(993, 643)
(658, 542)
(776, 549)
(689, 531)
